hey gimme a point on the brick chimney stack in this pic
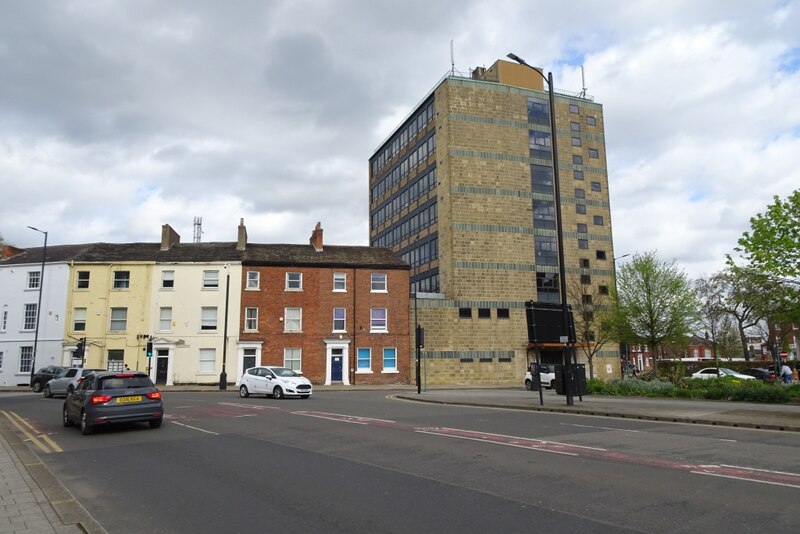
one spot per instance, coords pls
(241, 242)
(316, 238)
(169, 237)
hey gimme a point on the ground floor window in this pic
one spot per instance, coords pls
(364, 359)
(116, 360)
(390, 359)
(25, 359)
(207, 361)
(292, 359)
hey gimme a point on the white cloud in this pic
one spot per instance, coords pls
(115, 119)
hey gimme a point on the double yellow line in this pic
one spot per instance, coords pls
(43, 441)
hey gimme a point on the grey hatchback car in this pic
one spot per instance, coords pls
(107, 397)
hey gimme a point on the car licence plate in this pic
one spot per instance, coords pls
(124, 400)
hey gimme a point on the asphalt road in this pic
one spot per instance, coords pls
(361, 462)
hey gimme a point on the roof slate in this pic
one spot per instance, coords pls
(254, 254)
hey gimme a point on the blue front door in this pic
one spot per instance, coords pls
(336, 365)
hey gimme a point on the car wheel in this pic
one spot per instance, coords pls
(66, 420)
(277, 393)
(243, 393)
(528, 385)
(156, 423)
(304, 396)
(47, 393)
(86, 428)
(37, 387)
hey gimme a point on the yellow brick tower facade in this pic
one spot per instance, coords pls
(463, 191)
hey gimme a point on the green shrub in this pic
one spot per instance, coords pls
(726, 388)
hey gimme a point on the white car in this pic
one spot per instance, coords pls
(276, 381)
(547, 374)
(711, 372)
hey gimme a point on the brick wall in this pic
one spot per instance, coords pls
(317, 300)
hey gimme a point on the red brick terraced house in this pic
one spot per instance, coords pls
(338, 314)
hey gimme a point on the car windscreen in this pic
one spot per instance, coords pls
(125, 382)
(284, 372)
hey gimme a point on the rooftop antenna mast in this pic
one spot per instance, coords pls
(583, 84)
(452, 60)
(198, 229)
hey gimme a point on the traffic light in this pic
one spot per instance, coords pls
(81, 348)
(149, 349)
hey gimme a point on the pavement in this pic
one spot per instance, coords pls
(32, 500)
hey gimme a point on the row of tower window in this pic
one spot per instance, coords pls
(412, 224)
(401, 138)
(411, 192)
(404, 167)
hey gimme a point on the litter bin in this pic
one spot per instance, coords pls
(578, 378)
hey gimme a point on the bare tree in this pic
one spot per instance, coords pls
(591, 317)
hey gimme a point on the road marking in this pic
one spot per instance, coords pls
(354, 419)
(31, 433)
(745, 474)
(601, 427)
(251, 406)
(510, 441)
(245, 415)
(195, 428)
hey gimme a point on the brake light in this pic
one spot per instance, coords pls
(155, 395)
(100, 399)
(123, 375)
(80, 380)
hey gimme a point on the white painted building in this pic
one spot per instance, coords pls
(20, 283)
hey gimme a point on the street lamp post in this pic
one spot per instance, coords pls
(39, 305)
(559, 237)
(223, 376)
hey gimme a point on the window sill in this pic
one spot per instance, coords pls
(364, 372)
(294, 289)
(208, 331)
(339, 291)
(390, 372)
(378, 291)
(378, 331)
(292, 331)
(252, 289)
(250, 331)
(210, 289)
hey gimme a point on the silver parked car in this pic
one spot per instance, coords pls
(722, 372)
(66, 383)
(276, 381)
(107, 397)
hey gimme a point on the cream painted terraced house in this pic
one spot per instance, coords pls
(463, 191)
(120, 296)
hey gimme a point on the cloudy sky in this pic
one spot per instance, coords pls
(117, 117)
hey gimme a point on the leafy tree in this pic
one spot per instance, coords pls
(591, 317)
(772, 245)
(654, 302)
